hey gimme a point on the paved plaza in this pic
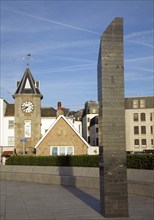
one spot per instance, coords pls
(33, 201)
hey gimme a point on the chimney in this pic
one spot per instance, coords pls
(58, 105)
(59, 109)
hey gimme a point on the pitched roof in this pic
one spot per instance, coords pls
(28, 85)
(48, 112)
(45, 112)
(69, 124)
(10, 110)
(149, 101)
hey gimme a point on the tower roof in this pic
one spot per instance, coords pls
(27, 85)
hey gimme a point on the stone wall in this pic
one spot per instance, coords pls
(140, 182)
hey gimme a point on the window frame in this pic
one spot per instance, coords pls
(135, 103)
(144, 145)
(151, 129)
(59, 150)
(27, 128)
(138, 144)
(136, 131)
(11, 124)
(10, 141)
(143, 129)
(143, 116)
(134, 117)
(142, 103)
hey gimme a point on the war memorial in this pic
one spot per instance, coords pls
(113, 177)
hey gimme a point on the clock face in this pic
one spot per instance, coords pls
(27, 107)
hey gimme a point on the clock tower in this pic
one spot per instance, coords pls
(27, 113)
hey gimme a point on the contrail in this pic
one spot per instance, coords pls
(55, 22)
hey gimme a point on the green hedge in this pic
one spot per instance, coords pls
(134, 161)
(76, 161)
(143, 161)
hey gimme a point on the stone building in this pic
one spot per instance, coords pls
(139, 125)
(139, 119)
(90, 111)
(61, 139)
(24, 122)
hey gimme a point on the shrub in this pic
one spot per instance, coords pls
(144, 161)
(77, 160)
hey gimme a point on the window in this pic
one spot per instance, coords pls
(70, 150)
(136, 143)
(96, 130)
(135, 103)
(61, 150)
(97, 141)
(151, 129)
(135, 116)
(11, 124)
(152, 141)
(136, 130)
(11, 141)
(150, 116)
(54, 151)
(143, 129)
(142, 103)
(93, 110)
(27, 128)
(144, 142)
(142, 116)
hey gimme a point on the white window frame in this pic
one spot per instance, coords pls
(137, 145)
(27, 128)
(144, 145)
(10, 140)
(135, 103)
(59, 148)
(142, 103)
(11, 124)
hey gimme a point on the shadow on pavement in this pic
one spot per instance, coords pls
(88, 199)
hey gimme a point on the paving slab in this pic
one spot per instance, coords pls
(34, 201)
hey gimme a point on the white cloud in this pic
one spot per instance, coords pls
(139, 59)
(55, 22)
(144, 38)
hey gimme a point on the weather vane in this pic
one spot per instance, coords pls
(27, 58)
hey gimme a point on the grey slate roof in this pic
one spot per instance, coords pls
(48, 112)
(149, 101)
(33, 89)
(45, 112)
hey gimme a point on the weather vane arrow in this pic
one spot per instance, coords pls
(27, 58)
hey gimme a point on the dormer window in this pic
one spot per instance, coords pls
(135, 103)
(142, 103)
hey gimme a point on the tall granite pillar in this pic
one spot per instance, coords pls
(113, 176)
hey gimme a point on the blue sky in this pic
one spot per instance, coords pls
(63, 38)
